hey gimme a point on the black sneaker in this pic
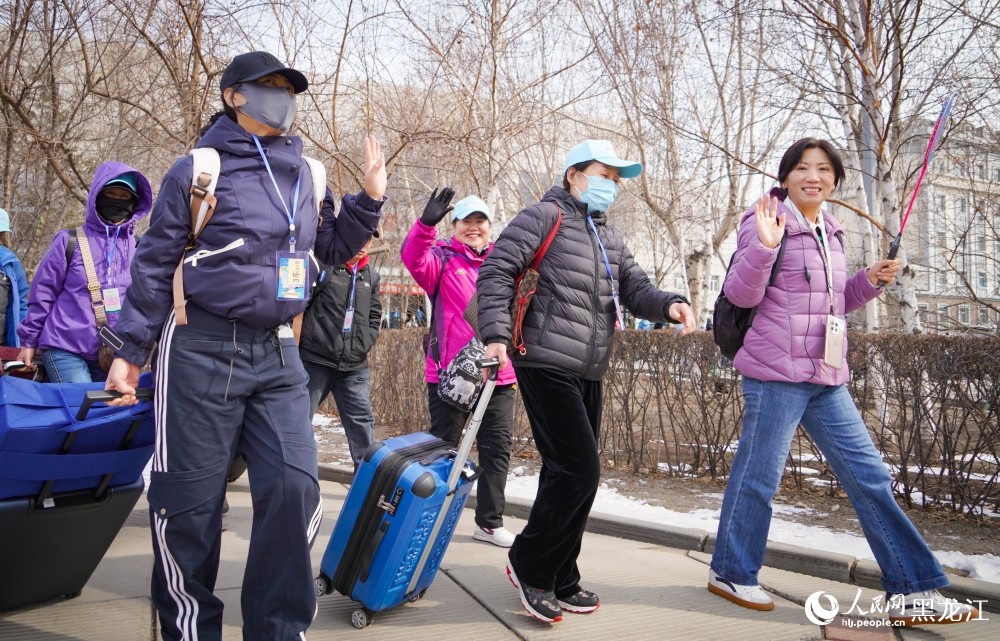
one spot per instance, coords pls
(582, 602)
(540, 604)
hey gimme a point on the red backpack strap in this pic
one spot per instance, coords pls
(522, 295)
(540, 254)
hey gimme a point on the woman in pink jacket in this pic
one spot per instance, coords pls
(448, 271)
(794, 366)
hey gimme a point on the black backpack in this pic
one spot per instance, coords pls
(729, 322)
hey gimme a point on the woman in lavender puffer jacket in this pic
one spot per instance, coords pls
(794, 367)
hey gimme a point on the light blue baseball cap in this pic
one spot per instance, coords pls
(4, 220)
(601, 151)
(128, 181)
(470, 205)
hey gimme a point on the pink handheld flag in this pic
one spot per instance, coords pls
(932, 144)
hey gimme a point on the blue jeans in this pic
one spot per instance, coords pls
(66, 367)
(352, 394)
(773, 411)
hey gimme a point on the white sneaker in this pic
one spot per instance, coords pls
(930, 607)
(749, 596)
(497, 536)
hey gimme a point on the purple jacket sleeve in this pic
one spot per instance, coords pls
(750, 269)
(424, 264)
(340, 237)
(858, 291)
(149, 298)
(46, 285)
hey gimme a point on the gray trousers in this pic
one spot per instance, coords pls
(221, 387)
(352, 393)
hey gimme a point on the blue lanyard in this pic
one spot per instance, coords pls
(354, 280)
(607, 266)
(295, 199)
(109, 275)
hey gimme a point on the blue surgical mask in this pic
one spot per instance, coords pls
(271, 106)
(599, 194)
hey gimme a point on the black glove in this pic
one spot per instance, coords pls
(437, 206)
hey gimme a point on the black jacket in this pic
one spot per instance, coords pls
(323, 339)
(570, 322)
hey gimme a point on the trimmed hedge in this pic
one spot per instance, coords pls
(673, 404)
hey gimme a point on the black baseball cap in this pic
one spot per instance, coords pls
(257, 64)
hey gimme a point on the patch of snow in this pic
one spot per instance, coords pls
(985, 567)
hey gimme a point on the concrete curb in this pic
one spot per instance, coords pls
(794, 558)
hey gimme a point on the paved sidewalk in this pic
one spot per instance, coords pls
(648, 592)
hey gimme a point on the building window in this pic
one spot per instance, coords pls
(942, 280)
(942, 240)
(939, 203)
(981, 171)
(679, 283)
(984, 315)
(996, 175)
(942, 314)
(981, 280)
(923, 312)
(963, 314)
(713, 282)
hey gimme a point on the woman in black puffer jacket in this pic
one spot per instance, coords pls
(587, 276)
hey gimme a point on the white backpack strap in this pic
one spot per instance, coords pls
(204, 175)
(319, 181)
(205, 167)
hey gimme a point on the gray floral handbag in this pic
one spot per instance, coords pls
(461, 382)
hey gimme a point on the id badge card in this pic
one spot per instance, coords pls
(293, 275)
(112, 299)
(348, 319)
(619, 320)
(836, 330)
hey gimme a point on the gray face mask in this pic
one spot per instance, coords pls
(271, 106)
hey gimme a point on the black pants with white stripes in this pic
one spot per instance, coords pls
(223, 386)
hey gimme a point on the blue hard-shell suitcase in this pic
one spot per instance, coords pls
(398, 519)
(70, 474)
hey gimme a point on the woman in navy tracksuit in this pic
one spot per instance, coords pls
(231, 378)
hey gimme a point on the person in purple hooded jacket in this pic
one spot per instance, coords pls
(231, 379)
(60, 319)
(794, 367)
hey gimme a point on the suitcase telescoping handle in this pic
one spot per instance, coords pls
(492, 369)
(89, 399)
(103, 396)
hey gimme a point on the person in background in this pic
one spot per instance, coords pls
(794, 367)
(230, 379)
(60, 319)
(586, 278)
(447, 270)
(339, 329)
(14, 305)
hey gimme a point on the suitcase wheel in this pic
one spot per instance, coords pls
(417, 596)
(321, 585)
(362, 618)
